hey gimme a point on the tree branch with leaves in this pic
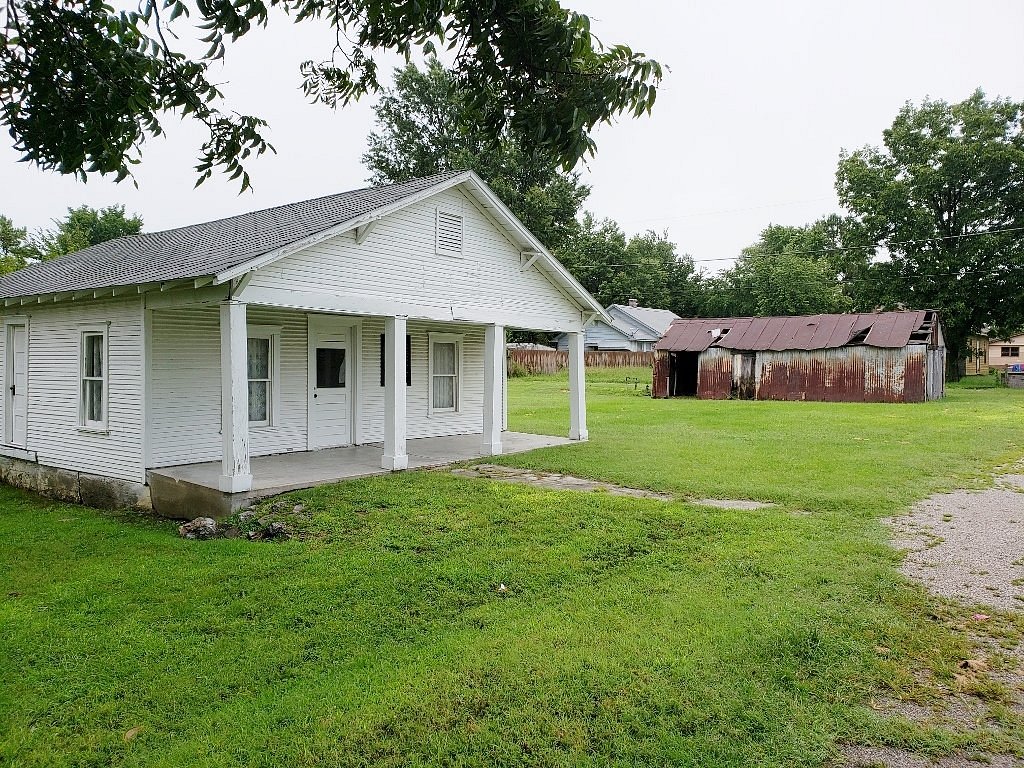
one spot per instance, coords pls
(82, 86)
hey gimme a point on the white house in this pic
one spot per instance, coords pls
(372, 317)
(627, 327)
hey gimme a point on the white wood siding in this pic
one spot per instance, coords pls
(185, 410)
(184, 422)
(469, 418)
(398, 262)
(54, 350)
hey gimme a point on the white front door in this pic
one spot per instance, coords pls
(330, 376)
(17, 388)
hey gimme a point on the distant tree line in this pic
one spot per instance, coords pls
(935, 217)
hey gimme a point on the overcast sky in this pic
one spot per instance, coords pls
(759, 100)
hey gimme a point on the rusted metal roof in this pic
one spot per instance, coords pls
(807, 332)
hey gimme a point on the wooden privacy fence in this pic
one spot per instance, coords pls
(552, 361)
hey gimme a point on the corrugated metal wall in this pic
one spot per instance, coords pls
(714, 381)
(662, 369)
(846, 374)
(909, 374)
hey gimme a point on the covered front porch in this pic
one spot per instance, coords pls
(190, 490)
(459, 370)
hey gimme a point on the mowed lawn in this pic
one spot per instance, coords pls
(631, 633)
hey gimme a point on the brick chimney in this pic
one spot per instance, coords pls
(632, 302)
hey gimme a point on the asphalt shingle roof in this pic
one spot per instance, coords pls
(202, 250)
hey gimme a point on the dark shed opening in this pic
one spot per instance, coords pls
(683, 374)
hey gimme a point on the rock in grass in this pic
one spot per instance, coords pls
(200, 528)
(271, 530)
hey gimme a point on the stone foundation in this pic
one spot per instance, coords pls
(74, 487)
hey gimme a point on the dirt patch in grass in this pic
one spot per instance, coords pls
(554, 481)
(559, 482)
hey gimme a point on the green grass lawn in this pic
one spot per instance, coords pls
(632, 632)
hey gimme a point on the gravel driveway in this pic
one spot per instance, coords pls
(968, 545)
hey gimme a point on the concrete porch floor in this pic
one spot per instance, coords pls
(190, 490)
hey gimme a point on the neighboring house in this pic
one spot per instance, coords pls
(366, 317)
(882, 357)
(976, 363)
(1004, 353)
(629, 327)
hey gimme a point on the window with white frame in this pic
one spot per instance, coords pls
(445, 365)
(262, 365)
(93, 367)
(449, 233)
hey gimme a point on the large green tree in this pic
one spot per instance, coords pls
(423, 128)
(645, 267)
(82, 85)
(82, 227)
(944, 199)
(789, 271)
(16, 250)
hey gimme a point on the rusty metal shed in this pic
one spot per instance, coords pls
(870, 357)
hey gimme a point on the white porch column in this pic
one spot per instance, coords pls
(494, 388)
(395, 456)
(235, 473)
(577, 390)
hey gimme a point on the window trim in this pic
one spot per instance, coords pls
(444, 338)
(1009, 351)
(85, 424)
(273, 333)
(438, 248)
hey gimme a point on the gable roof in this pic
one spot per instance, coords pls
(203, 250)
(654, 321)
(223, 249)
(805, 332)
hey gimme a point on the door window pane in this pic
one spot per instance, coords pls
(330, 368)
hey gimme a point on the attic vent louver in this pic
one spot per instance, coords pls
(449, 233)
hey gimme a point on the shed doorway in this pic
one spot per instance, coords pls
(682, 378)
